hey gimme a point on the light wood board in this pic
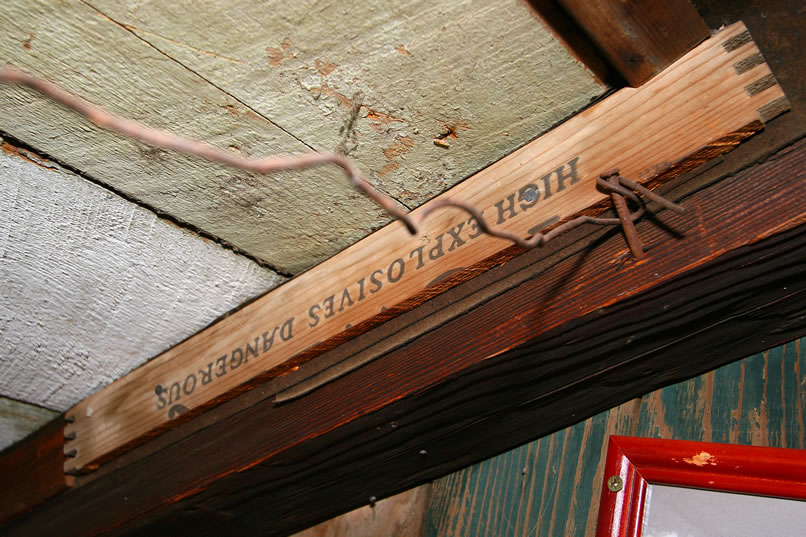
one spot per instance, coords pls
(700, 107)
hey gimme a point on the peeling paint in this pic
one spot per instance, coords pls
(325, 68)
(327, 91)
(701, 459)
(401, 146)
(381, 121)
(279, 55)
(390, 167)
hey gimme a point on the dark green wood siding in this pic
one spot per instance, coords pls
(550, 487)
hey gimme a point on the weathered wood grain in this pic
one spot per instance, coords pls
(639, 39)
(94, 285)
(695, 110)
(18, 420)
(756, 401)
(381, 430)
(482, 77)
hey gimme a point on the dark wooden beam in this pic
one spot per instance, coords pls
(569, 33)
(637, 39)
(33, 470)
(725, 280)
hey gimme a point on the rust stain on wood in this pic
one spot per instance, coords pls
(25, 154)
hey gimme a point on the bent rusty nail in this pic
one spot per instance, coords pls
(627, 222)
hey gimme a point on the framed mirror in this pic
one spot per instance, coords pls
(675, 488)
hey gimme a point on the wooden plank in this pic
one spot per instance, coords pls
(639, 39)
(698, 108)
(540, 495)
(92, 55)
(381, 430)
(483, 78)
(32, 470)
(94, 285)
(490, 499)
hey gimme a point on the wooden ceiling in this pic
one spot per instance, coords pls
(114, 252)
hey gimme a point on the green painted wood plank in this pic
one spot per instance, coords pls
(793, 394)
(775, 396)
(486, 72)
(752, 429)
(568, 478)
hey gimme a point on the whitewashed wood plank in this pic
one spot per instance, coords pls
(485, 75)
(94, 285)
(18, 420)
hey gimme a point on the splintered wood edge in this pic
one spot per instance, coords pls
(761, 88)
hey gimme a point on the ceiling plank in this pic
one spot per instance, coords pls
(381, 429)
(482, 77)
(569, 33)
(697, 109)
(91, 55)
(639, 39)
(95, 285)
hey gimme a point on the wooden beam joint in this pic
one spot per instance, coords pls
(697, 109)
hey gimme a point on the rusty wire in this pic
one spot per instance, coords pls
(610, 181)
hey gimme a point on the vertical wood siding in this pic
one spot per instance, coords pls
(550, 487)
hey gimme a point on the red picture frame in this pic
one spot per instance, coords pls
(634, 463)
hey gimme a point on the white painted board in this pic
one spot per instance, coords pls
(92, 285)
